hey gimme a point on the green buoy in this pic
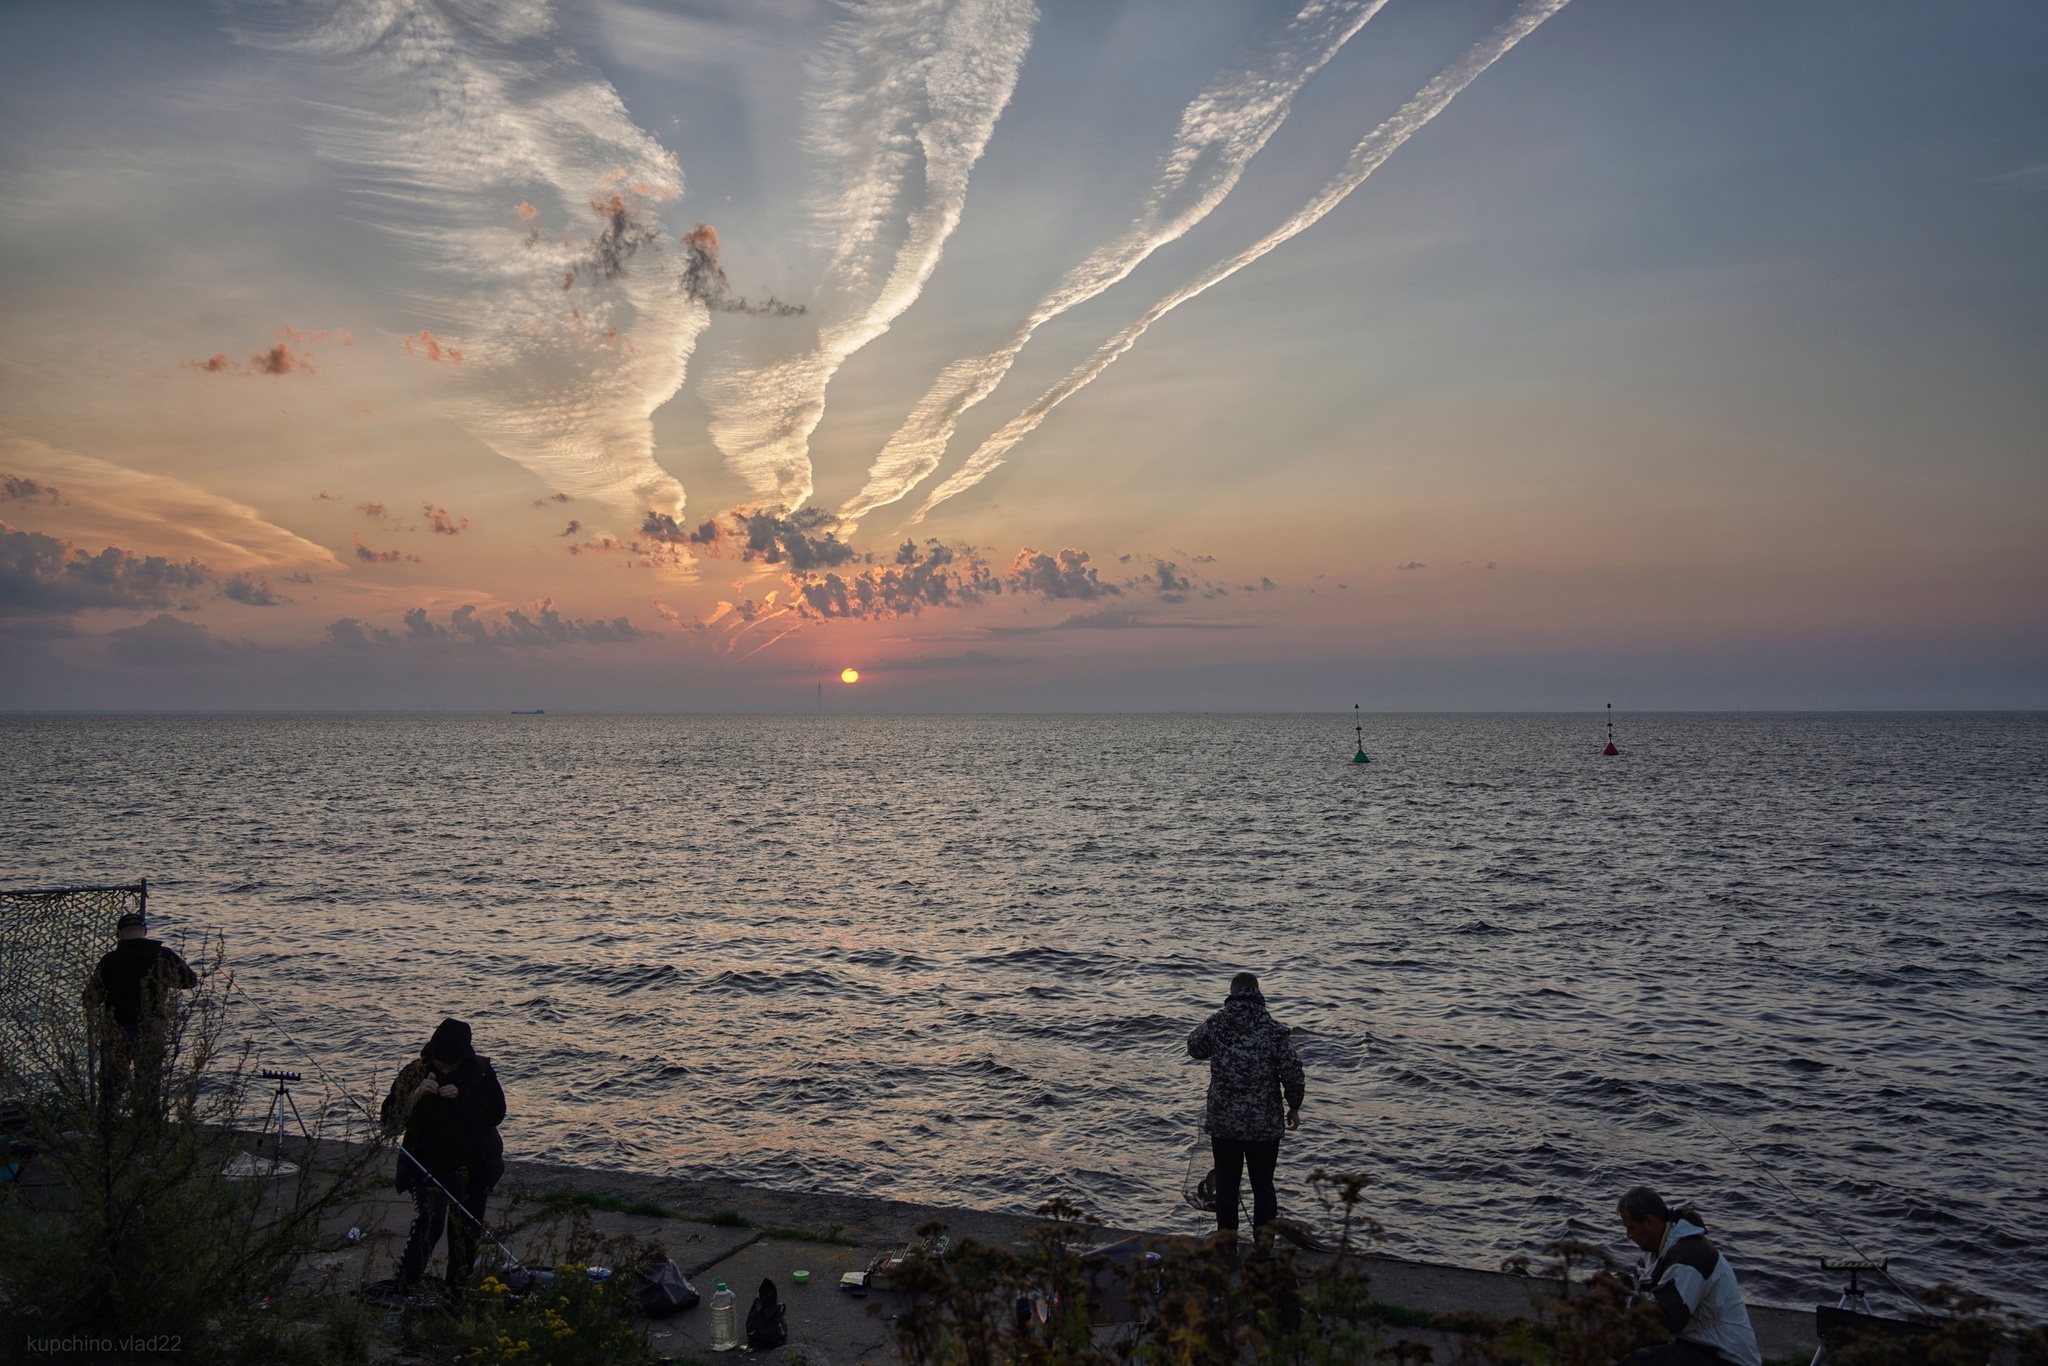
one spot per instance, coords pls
(1359, 758)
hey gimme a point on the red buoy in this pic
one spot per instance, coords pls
(1610, 731)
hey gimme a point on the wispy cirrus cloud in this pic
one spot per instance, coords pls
(97, 501)
(913, 92)
(1220, 131)
(514, 171)
(1368, 156)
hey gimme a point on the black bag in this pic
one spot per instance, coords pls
(663, 1291)
(765, 1321)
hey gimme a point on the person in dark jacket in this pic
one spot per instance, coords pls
(449, 1105)
(1251, 1066)
(129, 1003)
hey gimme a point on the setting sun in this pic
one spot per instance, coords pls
(849, 675)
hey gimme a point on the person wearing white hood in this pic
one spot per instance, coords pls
(1691, 1284)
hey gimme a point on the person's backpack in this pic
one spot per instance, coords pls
(663, 1291)
(765, 1321)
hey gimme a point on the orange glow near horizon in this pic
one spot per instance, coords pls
(849, 675)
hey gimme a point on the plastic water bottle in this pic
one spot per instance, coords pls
(725, 1319)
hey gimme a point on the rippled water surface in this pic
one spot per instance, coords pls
(953, 959)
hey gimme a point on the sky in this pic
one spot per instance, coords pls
(1023, 355)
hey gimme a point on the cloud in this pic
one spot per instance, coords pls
(2033, 177)
(573, 528)
(1171, 584)
(931, 576)
(393, 556)
(553, 498)
(1220, 131)
(804, 540)
(251, 591)
(14, 488)
(280, 359)
(440, 523)
(704, 279)
(1412, 564)
(1065, 575)
(622, 235)
(109, 504)
(356, 634)
(164, 640)
(44, 575)
(537, 625)
(448, 115)
(828, 579)
(434, 349)
(1368, 156)
(913, 92)
(1119, 619)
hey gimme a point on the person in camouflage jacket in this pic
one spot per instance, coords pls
(1252, 1064)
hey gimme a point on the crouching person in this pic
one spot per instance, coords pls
(1691, 1285)
(448, 1104)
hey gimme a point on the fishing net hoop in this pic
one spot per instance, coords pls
(51, 939)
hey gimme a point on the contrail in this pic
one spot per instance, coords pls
(916, 89)
(1220, 131)
(1365, 158)
(516, 173)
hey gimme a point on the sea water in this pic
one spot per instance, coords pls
(1790, 968)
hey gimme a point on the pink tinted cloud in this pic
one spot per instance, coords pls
(281, 358)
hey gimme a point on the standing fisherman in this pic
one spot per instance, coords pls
(1251, 1064)
(128, 1000)
(450, 1105)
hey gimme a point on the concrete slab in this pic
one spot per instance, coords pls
(827, 1325)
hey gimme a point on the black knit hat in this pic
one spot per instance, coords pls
(131, 921)
(450, 1042)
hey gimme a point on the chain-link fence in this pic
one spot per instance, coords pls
(51, 939)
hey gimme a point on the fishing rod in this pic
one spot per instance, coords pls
(1739, 1150)
(1875, 1264)
(375, 1122)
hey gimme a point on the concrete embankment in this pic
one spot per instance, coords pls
(741, 1234)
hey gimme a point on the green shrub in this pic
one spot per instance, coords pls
(574, 1322)
(134, 1230)
(1207, 1304)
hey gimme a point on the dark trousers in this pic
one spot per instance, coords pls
(1232, 1156)
(131, 1075)
(431, 1215)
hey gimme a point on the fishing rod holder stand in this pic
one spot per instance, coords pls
(1853, 1294)
(280, 1101)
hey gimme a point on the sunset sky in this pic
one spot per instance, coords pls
(1084, 354)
